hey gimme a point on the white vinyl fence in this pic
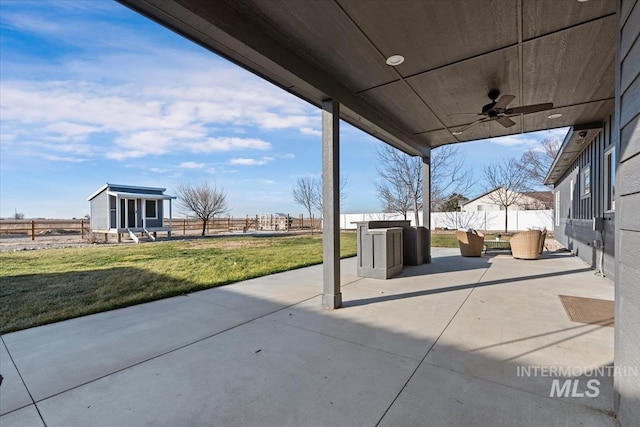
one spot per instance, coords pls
(517, 221)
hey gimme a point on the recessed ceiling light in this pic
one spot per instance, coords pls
(456, 132)
(582, 1)
(554, 116)
(395, 60)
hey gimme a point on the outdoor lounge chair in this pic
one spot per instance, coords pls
(543, 237)
(526, 245)
(471, 243)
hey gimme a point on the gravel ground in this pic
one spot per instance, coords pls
(22, 243)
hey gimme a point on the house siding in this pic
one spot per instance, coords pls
(488, 205)
(574, 229)
(157, 222)
(100, 211)
(627, 299)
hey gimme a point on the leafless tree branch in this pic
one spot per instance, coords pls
(509, 180)
(537, 161)
(400, 186)
(204, 200)
(449, 175)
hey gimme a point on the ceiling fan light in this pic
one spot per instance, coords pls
(395, 60)
(554, 116)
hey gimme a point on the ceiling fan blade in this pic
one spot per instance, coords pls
(505, 121)
(464, 114)
(459, 131)
(526, 109)
(504, 101)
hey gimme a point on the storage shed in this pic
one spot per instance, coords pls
(129, 209)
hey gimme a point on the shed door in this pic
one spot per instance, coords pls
(127, 213)
(123, 214)
(131, 213)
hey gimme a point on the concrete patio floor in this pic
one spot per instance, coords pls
(439, 345)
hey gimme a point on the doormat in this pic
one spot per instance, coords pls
(588, 310)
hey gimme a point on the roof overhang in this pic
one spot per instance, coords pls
(145, 196)
(574, 143)
(559, 51)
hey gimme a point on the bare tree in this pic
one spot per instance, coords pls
(304, 193)
(537, 161)
(400, 187)
(204, 200)
(449, 175)
(508, 180)
(317, 201)
(394, 197)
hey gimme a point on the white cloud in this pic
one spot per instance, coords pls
(227, 144)
(513, 140)
(310, 131)
(529, 140)
(158, 170)
(69, 159)
(251, 162)
(191, 165)
(140, 122)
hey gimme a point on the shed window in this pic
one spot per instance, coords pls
(585, 181)
(610, 180)
(480, 208)
(151, 209)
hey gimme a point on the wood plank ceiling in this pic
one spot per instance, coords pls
(559, 51)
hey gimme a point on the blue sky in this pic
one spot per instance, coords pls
(91, 92)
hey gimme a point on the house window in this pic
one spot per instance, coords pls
(480, 208)
(585, 182)
(610, 180)
(151, 209)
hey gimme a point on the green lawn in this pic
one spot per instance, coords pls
(39, 287)
(444, 240)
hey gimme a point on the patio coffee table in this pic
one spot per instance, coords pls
(497, 245)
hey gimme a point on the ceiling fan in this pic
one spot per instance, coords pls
(497, 111)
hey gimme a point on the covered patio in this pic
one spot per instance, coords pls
(421, 74)
(445, 343)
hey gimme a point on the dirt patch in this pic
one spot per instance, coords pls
(11, 244)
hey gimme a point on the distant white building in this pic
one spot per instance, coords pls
(533, 200)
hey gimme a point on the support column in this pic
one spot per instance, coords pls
(170, 219)
(426, 205)
(117, 212)
(332, 297)
(143, 205)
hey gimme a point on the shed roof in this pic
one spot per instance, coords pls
(133, 188)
